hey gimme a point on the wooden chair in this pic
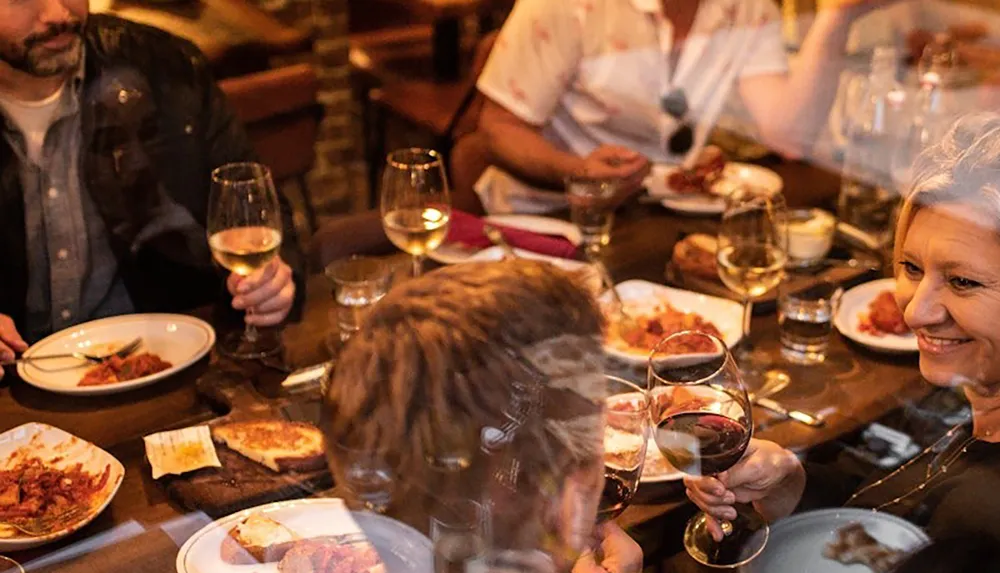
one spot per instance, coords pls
(281, 115)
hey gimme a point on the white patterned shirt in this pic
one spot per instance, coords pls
(593, 72)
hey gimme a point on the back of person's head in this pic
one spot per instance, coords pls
(959, 554)
(506, 352)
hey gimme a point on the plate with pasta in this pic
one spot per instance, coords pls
(660, 311)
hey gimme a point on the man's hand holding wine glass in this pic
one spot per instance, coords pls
(768, 476)
(266, 294)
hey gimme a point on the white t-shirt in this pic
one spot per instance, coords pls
(33, 118)
(593, 72)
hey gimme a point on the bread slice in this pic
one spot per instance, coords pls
(257, 539)
(277, 444)
(695, 255)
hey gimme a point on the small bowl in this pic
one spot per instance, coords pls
(810, 236)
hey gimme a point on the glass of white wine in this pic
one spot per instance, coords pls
(244, 234)
(416, 205)
(753, 250)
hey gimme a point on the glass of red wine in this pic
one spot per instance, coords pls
(626, 433)
(703, 422)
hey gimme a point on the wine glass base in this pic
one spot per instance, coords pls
(748, 539)
(235, 345)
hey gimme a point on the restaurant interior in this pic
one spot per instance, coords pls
(499, 286)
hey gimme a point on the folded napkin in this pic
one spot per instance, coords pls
(468, 230)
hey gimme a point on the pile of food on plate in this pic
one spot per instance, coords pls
(694, 256)
(652, 327)
(116, 369)
(883, 317)
(259, 539)
(45, 499)
(699, 179)
(854, 545)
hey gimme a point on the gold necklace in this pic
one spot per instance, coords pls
(930, 476)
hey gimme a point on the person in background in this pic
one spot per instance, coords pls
(948, 285)
(498, 365)
(111, 130)
(605, 88)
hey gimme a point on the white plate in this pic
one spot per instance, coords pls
(180, 340)
(652, 454)
(795, 544)
(854, 304)
(591, 276)
(401, 548)
(641, 297)
(733, 175)
(453, 253)
(48, 443)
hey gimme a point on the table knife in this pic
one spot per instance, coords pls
(797, 415)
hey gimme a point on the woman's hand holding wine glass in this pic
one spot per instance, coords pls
(768, 475)
(703, 424)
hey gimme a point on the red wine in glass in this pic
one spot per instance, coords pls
(721, 441)
(617, 495)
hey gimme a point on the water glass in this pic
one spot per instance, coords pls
(358, 283)
(592, 210)
(368, 477)
(458, 532)
(805, 320)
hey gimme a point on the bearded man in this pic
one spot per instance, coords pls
(111, 132)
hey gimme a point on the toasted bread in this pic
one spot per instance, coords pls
(257, 539)
(695, 256)
(277, 444)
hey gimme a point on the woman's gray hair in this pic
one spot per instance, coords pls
(964, 167)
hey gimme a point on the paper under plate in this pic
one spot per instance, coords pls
(401, 548)
(854, 304)
(64, 450)
(642, 296)
(179, 339)
(796, 543)
(733, 175)
(453, 253)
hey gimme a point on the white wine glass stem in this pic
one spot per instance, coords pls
(747, 344)
(418, 265)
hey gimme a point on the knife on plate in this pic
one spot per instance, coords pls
(797, 415)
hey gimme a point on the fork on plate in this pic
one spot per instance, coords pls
(85, 357)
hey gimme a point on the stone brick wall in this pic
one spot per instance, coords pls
(337, 183)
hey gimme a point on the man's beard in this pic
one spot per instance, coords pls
(32, 58)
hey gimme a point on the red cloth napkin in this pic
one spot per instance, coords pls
(468, 230)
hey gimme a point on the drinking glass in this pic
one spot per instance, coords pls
(805, 320)
(753, 251)
(458, 532)
(591, 206)
(415, 202)
(8, 565)
(626, 432)
(244, 234)
(358, 283)
(367, 477)
(703, 424)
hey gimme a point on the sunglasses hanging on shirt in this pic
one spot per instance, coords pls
(675, 105)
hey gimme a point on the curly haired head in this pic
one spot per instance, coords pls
(463, 348)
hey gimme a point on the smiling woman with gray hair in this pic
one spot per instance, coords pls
(485, 381)
(947, 267)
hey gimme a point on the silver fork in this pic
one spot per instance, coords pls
(91, 358)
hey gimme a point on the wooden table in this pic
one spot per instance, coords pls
(861, 386)
(236, 36)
